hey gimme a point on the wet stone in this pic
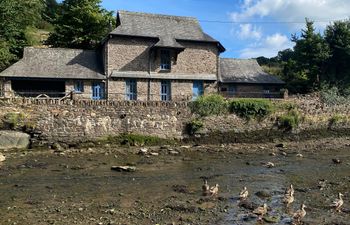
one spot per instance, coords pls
(124, 168)
(263, 194)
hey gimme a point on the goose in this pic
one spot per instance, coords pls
(244, 193)
(338, 203)
(261, 211)
(288, 199)
(299, 214)
(205, 188)
(214, 190)
(290, 190)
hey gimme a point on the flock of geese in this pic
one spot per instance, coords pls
(288, 199)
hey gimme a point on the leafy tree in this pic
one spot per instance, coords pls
(80, 24)
(15, 17)
(310, 54)
(337, 37)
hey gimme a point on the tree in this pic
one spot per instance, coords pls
(337, 37)
(310, 54)
(15, 17)
(80, 24)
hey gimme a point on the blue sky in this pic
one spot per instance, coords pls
(251, 28)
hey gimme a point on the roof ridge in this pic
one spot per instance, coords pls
(63, 49)
(157, 15)
(238, 59)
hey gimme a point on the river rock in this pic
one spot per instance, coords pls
(263, 194)
(14, 140)
(124, 168)
(2, 157)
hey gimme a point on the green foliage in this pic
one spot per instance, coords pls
(336, 119)
(137, 140)
(16, 17)
(209, 105)
(289, 121)
(331, 95)
(13, 121)
(251, 108)
(194, 126)
(80, 24)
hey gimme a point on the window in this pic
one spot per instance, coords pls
(165, 61)
(165, 92)
(131, 90)
(79, 86)
(198, 89)
(98, 90)
(231, 91)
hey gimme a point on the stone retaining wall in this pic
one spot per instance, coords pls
(81, 120)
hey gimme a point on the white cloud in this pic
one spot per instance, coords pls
(293, 10)
(248, 31)
(268, 47)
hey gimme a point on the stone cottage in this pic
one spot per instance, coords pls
(159, 57)
(147, 57)
(245, 78)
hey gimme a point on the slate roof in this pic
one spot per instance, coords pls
(168, 29)
(57, 63)
(244, 71)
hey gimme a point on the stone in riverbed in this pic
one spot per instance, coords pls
(2, 157)
(124, 168)
(263, 194)
(14, 140)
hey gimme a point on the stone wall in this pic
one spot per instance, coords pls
(69, 121)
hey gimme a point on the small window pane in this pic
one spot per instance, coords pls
(165, 92)
(165, 61)
(131, 90)
(79, 86)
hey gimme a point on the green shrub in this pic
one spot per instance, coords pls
(336, 119)
(209, 105)
(137, 140)
(332, 96)
(13, 120)
(251, 108)
(289, 121)
(194, 126)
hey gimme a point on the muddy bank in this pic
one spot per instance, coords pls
(77, 186)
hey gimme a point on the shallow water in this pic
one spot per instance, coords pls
(81, 188)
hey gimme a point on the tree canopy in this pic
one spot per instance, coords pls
(80, 24)
(316, 59)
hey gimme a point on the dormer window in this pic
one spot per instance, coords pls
(165, 60)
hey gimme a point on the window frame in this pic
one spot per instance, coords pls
(131, 89)
(165, 60)
(78, 86)
(165, 90)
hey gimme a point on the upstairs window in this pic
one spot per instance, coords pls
(78, 86)
(165, 60)
(131, 90)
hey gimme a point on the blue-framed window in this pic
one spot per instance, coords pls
(165, 60)
(131, 90)
(231, 90)
(165, 90)
(198, 89)
(98, 90)
(78, 86)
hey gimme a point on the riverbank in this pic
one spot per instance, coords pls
(77, 186)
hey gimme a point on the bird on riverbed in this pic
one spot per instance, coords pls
(214, 190)
(338, 203)
(269, 164)
(244, 193)
(299, 214)
(288, 198)
(260, 211)
(290, 190)
(205, 188)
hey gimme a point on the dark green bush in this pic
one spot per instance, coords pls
(289, 121)
(251, 108)
(209, 105)
(194, 126)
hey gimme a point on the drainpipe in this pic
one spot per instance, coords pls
(149, 74)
